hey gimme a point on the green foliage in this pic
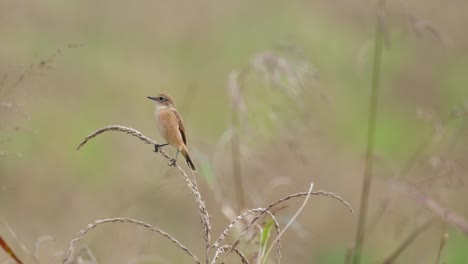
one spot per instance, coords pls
(455, 249)
(264, 239)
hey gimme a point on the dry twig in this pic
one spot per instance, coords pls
(407, 242)
(450, 216)
(82, 233)
(227, 248)
(202, 211)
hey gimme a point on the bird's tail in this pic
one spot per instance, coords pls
(187, 158)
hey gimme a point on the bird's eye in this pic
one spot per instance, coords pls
(161, 98)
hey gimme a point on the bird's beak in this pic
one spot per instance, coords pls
(152, 98)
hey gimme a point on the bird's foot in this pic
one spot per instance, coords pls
(172, 163)
(158, 146)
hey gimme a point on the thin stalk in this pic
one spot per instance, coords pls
(236, 164)
(407, 242)
(366, 185)
(443, 240)
(235, 85)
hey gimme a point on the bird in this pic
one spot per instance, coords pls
(171, 128)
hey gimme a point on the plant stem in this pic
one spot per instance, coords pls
(407, 242)
(366, 185)
(236, 162)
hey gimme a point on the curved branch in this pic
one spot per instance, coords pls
(192, 184)
(82, 233)
(226, 249)
(127, 130)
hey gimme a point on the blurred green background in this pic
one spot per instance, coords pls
(68, 68)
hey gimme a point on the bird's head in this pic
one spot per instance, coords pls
(162, 100)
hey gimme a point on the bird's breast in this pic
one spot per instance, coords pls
(168, 126)
(161, 120)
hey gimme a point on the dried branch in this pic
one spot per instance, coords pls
(25, 249)
(202, 211)
(127, 130)
(236, 79)
(242, 216)
(38, 244)
(322, 193)
(407, 242)
(452, 217)
(82, 233)
(290, 222)
(232, 224)
(9, 251)
(443, 241)
(329, 194)
(227, 248)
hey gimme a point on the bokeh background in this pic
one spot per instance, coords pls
(68, 68)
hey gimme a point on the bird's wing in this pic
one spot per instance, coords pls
(181, 125)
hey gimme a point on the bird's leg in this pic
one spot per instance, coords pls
(158, 146)
(173, 161)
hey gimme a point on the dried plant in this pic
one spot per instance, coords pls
(227, 248)
(203, 213)
(10, 82)
(9, 251)
(264, 211)
(235, 86)
(451, 217)
(277, 239)
(408, 241)
(39, 242)
(19, 242)
(443, 241)
(83, 232)
(284, 70)
(32, 68)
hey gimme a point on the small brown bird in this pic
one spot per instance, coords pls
(171, 127)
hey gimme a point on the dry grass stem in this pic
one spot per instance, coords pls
(234, 87)
(443, 241)
(203, 213)
(322, 193)
(233, 223)
(329, 194)
(411, 163)
(450, 216)
(227, 249)
(80, 256)
(32, 68)
(192, 184)
(82, 233)
(407, 242)
(25, 249)
(244, 215)
(9, 251)
(127, 130)
(38, 244)
(91, 256)
(290, 222)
